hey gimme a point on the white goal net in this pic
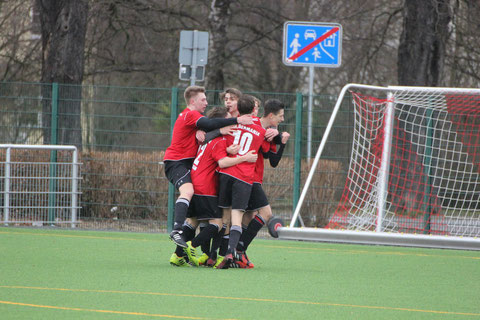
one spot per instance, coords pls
(415, 163)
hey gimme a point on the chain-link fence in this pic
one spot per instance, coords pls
(122, 132)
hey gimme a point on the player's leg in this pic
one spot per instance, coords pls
(205, 247)
(206, 208)
(258, 203)
(188, 233)
(178, 173)
(225, 185)
(241, 190)
(182, 204)
(220, 242)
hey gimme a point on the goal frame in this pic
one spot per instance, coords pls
(377, 237)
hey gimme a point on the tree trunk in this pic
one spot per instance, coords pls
(421, 57)
(63, 24)
(421, 54)
(219, 18)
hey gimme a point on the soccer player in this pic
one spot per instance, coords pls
(235, 183)
(183, 150)
(273, 115)
(204, 204)
(230, 97)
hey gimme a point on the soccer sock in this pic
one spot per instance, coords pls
(205, 246)
(224, 245)
(181, 208)
(235, 233)
(187, 235)
(240, 242)
(188, 231)
(253, 227)
(216, 242)
(205, 235)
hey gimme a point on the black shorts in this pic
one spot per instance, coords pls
(204, 208)
(233, 193)
(258, 199)
(178, 172)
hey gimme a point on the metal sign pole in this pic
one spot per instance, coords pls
(311, 73)
(193, 76)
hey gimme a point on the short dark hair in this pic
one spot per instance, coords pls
(245, 104)
(192, 91)
(233, 91)
(273, 106)
(217, 112)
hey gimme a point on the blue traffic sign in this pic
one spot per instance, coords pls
(314, 44)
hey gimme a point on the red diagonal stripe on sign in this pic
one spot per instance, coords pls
(314, 43)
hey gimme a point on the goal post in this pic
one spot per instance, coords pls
(413, 176)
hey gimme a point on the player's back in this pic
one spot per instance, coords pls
(204, 176)
(248, 137)
(184, 144)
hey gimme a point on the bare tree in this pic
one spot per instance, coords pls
(421, 54)
(219, 19)
(63, 26)
(19, 42)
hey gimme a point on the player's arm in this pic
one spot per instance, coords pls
(226, 162)
(274, 157)
(209, 136)
(271, 133)
(207, 124)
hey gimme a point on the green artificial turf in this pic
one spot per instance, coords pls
(58, 274)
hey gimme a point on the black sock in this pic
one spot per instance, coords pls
(224, 245)
(235, 233)
(205, 235)
(240, 242)
(188, 232)
(179, 251)
(253, 227)
(181, 208)
(216, 242)
(187, 235)
(205, 246)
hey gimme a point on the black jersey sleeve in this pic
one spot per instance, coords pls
(207, 124)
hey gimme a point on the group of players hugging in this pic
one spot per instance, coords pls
(216, 162)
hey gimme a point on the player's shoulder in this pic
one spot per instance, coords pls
(218, 141)
(259, 127)
(191, 113)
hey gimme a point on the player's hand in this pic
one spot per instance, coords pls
(251, 156)
(245, 119)
(200, 135)
(270, 134)
(285, 137)
(227, 130)
(233, 149)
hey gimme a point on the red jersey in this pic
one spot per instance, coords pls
(248, 137)
(184, 144)
(259, 165)
(203, 174)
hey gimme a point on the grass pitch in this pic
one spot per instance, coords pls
(57, 274)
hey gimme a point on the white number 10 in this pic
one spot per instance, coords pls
(244, 140)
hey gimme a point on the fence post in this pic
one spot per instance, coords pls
(6, 199)
(297, 153)
(52, 185)
(171, 188)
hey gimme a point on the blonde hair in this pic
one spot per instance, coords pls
(191, 92)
